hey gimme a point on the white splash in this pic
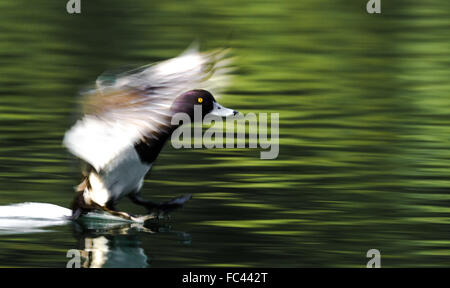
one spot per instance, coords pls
(33, 210)
(32, 217)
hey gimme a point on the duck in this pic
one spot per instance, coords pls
(126, 121)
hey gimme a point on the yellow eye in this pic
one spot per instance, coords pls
(200, 100)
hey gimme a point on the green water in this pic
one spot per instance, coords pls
(364, 110)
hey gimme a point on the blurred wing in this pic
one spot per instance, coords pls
(137, 104)
(98, 142)
(170, 78)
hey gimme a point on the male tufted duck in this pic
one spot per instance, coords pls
(127, 121)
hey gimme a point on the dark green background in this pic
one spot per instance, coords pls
(364, 129)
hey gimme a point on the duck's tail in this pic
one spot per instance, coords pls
(78, 204)
(83, 185)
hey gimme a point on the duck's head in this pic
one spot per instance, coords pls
(186, 102)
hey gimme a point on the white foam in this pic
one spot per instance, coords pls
(32, 217)
(33, 210)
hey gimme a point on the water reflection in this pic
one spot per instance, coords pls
(118, 245)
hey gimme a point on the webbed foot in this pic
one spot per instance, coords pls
(163, 209)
